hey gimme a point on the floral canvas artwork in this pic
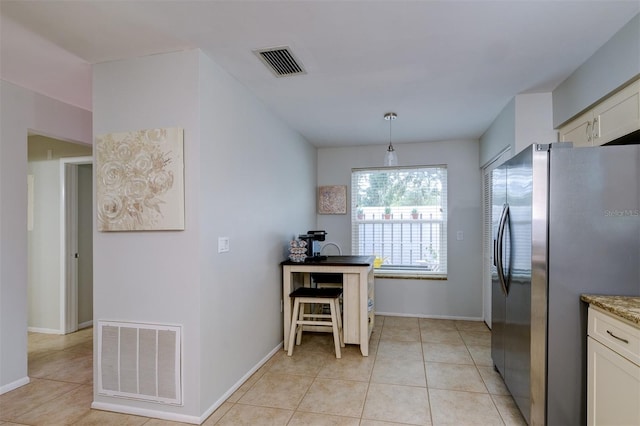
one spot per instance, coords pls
(332, 199)
(140, 180)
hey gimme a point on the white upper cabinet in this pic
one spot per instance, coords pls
(616, 116)
(578, 130)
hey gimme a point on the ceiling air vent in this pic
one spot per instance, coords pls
(280, 61)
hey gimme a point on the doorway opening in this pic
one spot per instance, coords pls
(60, 232)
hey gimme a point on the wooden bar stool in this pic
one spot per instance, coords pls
(332, 321)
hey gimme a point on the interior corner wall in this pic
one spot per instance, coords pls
(525, 120)
(259, 180)
(460, 296)
(615, 63)
(500, 134)
(22, 111)
(153, 276)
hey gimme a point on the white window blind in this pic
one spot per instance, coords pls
(487, 242)
(400, 215)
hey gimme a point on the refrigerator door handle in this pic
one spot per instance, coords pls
(499, 244)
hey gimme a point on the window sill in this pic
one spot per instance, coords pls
(407, 275)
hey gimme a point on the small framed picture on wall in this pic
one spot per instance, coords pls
(332, 199)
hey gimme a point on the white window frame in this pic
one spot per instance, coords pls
(402, 219)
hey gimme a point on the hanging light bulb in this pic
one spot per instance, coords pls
(390, 158)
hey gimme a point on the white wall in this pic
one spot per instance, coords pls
(247, 177)
(534, 120)
(460, 296)
(44, 248)
(500, 134)
(152, 277)
(525, 120)
(23, 110)
(258, 185)
(612, 65)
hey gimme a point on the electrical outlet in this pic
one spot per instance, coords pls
(223, 244)
(460, 236)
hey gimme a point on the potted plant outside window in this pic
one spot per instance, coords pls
(387, 212)
(360, 214)
(414, 214)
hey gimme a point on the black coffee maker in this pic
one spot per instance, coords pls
(313, 247)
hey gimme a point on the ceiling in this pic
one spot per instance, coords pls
(447, 68)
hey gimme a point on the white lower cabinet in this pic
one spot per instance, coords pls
(613, 380)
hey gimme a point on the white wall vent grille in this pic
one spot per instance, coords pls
(140, 361)
(281, 61)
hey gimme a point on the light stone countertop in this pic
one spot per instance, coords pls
(627, 307)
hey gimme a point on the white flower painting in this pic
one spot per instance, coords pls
(140, 180)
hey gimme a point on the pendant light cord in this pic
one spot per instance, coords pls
(390, 145)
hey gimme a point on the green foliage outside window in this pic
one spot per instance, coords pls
(400, 188)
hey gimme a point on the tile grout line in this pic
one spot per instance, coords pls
(366, 394)
(426, 378)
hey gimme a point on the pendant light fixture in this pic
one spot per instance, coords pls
(390, 158)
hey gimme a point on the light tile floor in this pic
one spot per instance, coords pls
(419, 372)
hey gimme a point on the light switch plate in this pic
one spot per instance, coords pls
(460, 236)
(223, 244)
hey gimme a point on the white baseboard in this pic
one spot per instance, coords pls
(145, 412)
(14, 385)
(239, 383)
(85, 324)
(448, 317)
(44, 330)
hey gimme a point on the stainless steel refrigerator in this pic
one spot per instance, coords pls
(566, 221)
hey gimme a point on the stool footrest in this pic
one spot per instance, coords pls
(306, 322)
(317, 316)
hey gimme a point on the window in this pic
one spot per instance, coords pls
(400, 215)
